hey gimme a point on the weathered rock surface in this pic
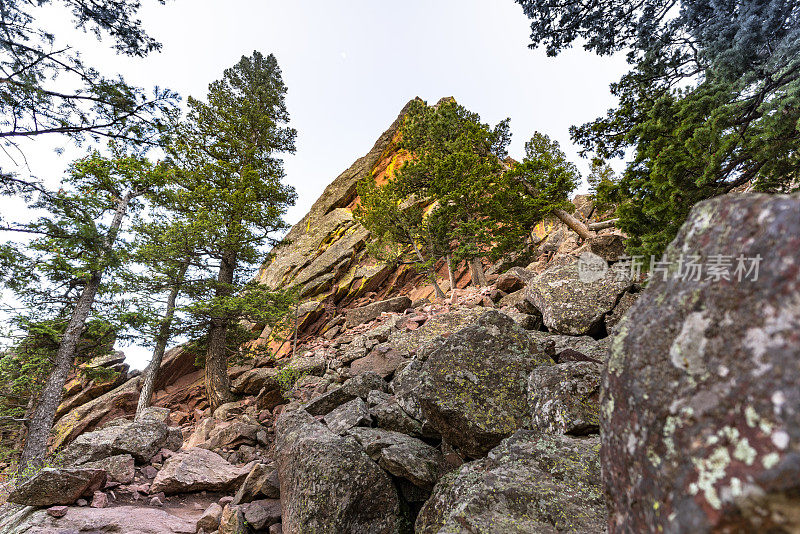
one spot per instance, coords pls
(530, 483)
(120, 468)
(141, 439)
(402, 455)
(565, 398)
(328, 483)
(210, 519)
(572, 306)
(197, 470)
(348, 415)
(358, 386)
(369, 312)
(700, 404)
(58, 486)
(251, 382)
(117, 519)
(263, 513)
(261, 482)
(473, 388)
(389, 415)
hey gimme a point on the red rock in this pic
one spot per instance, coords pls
(57, 511)
(411, 325)
(99, 500)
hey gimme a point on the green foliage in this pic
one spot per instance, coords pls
(712, 102)
(229, 184)
(457, 196)
(287, 377)
(48, 88)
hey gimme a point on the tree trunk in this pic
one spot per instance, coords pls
(610, 223)
(574, 224)
(217, 382)
(476, 272)
(431, 273)
(165, 329)
(577, 226)
(41, 423)
(452, 278)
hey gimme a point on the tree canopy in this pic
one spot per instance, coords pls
(711, 104)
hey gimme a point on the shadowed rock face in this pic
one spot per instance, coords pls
(530, 483)
(700, 404)
(473, 387)
(328, 483)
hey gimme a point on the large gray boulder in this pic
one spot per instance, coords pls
(473, 388)
(372, 311)
(701, 405)
(197, 470)
(254, 380)
(358, 386)
(576, 304)
(141, 439)
(328, 483)
(52, 486)
(402, 456)
(565, 398)
(530, 483)
(117, 519)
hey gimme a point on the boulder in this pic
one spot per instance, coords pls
(555, 345)
(254, 380)
(261, 514)
(610, 247)
(530, 483)
(402, 456)
(209, 521)
(473, 388)
(700, 406)
(120, 468)
(328, 483)
(62, 486)
(572, 305)
(262, 481)
(232, 521)
(408, 342)
(122, 519)
(514, 279)
(197, 469)
(347, 416)
(367, 313)
(615, 316)
(564, 398)
(389, 415)
(141, 439)
(381, 362)
(358, 386)
(231, 434)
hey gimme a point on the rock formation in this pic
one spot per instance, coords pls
(400, 413)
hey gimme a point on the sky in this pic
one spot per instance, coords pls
(350, 67)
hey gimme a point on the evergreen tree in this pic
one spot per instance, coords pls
(711, 104)
(396, 225)
(231, 184)
(458, 165)
(547, 178)
(78, 244)
(47, 88)
(167, 248)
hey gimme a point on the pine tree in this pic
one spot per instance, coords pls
(231, 183)
(711, 103)
(78, 244)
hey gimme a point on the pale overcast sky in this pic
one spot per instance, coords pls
(350, 67)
